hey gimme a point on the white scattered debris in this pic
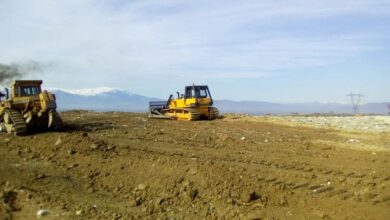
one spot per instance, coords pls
(193, 171)
(373, 123)
(79, 212)
(58, 142)
(353, 140)
(94, 146)
(266, 141)
(142, 119)
(42, 212)
(141, 187)
(243, 138)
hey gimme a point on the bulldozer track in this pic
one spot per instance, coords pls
(19, 126)
(194, 114)
(185, 114)
(213, 113)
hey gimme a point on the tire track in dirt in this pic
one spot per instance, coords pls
(205, 170)
(315, 187)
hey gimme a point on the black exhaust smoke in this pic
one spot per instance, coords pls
(17, 70)
(9, 72)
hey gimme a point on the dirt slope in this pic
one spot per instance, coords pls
(123, 166)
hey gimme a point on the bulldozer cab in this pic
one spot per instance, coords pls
(197, 92)
(25, 88)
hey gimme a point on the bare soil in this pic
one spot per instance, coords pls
(124, 166)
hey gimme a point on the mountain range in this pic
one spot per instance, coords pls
(101, 99)
(111, 99)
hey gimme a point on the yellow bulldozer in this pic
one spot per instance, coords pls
(27, 108)
(195, 104)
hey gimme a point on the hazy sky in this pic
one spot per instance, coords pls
(270, 50)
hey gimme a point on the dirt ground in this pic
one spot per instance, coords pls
(124, 166)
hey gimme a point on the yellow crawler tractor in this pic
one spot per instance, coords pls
(28, 108)
(195, 104)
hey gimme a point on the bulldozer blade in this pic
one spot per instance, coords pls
(160, 116)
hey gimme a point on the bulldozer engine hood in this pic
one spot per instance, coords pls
(25, 100)
(44, 101)
(47, 100)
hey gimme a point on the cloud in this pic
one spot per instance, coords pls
(107, 41)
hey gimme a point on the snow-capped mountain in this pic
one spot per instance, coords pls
(101, 99)
(92, 91)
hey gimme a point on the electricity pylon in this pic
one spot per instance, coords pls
(355, 101)
(388, 106)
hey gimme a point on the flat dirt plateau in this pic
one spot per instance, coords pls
(124, 166)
